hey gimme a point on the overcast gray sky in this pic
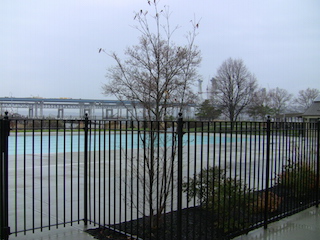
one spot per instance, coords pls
(50, 48)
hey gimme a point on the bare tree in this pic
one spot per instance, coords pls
(278, 100)
(156, 75)
(234, 88)
(306, 97)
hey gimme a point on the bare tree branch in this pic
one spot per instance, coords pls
(234, 88)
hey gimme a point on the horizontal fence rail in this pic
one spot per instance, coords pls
(159, 180)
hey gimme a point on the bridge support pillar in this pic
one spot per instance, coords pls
(60, 113)
(30, 113)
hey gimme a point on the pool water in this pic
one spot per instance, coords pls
(47, 144)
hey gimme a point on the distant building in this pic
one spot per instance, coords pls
(289, 117)
(312, 114)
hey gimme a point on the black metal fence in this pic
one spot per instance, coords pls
(156, 180)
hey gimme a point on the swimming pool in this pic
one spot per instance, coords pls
(59, 143)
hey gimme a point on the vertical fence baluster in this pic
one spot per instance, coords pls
(318, 163)
(267, 173)
(180, 139)
(4, 209)
(2, 183)
(49, 173)
(85, 174)
(64, 173)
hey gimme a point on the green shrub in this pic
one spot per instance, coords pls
(228, 198)
(300, 177)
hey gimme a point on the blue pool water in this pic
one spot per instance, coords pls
(75, 143)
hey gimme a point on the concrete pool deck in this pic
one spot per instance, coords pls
(303, 225)
(75, 232)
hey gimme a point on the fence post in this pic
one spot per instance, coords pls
(4, 209)
(318, 164)
(180, 146)
(267, 174)
(85, 174)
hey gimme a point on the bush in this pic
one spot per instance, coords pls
(259, 205)
(300, 177)
(224, 196)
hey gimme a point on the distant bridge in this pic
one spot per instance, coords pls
(95, 108)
